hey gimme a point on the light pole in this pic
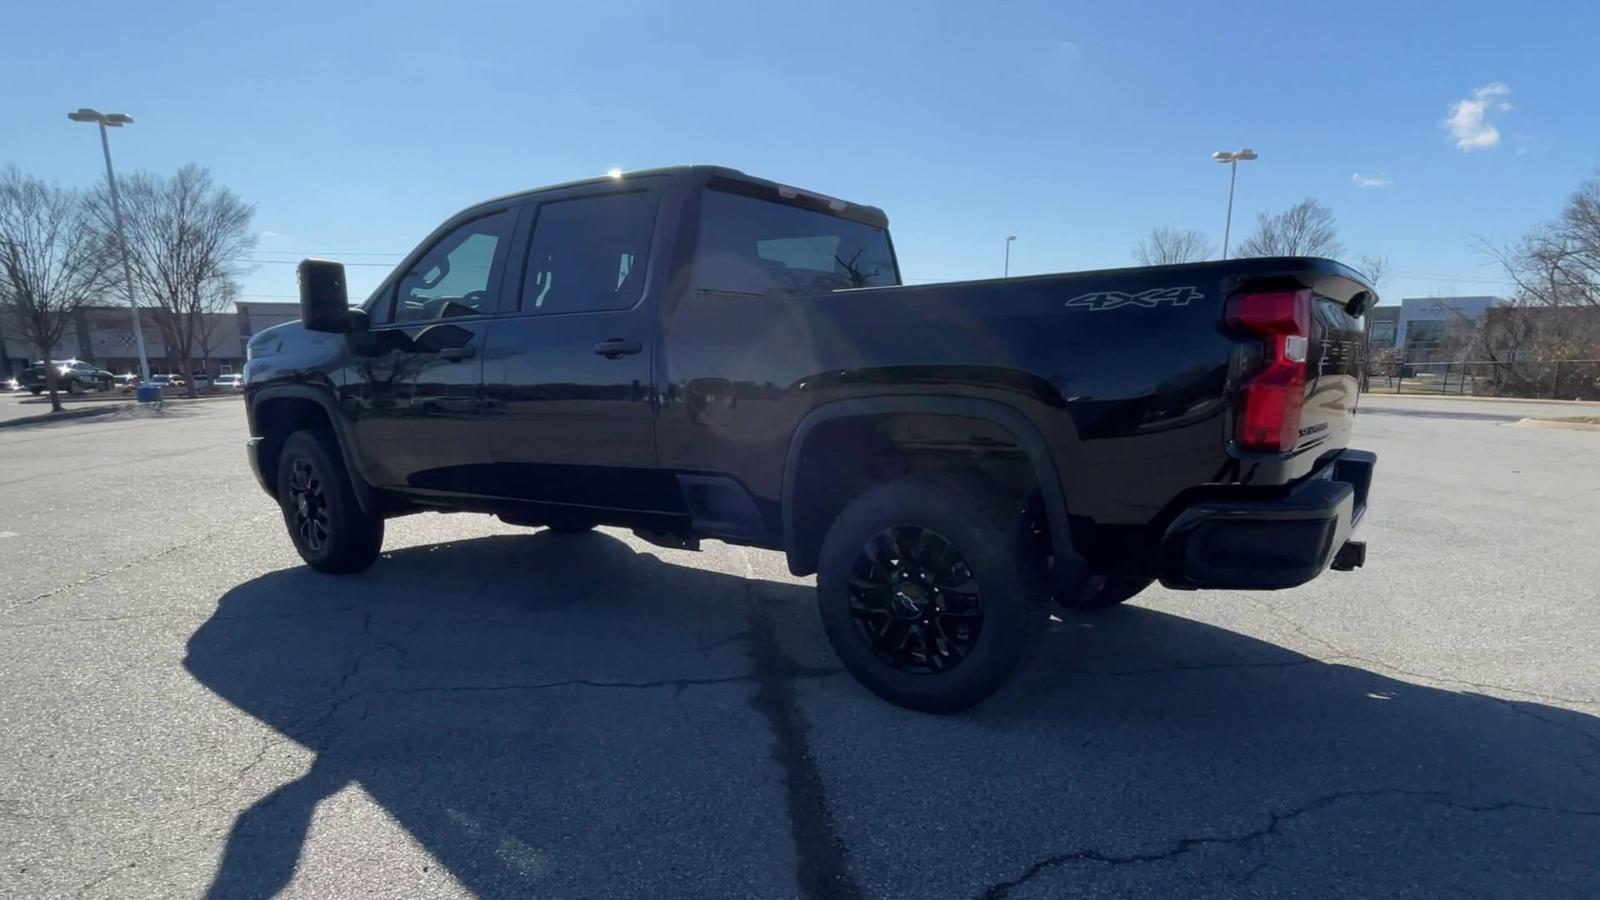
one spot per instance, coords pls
(117, 120)
(1009, 239)
(1232, 158)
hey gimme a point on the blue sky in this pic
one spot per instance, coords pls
(1075, 125)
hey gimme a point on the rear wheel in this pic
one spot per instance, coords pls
(325, 521)
(931, 591)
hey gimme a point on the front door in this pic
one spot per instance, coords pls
(417, 379)
(568, 368)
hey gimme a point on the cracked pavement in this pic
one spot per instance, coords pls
(495, 711)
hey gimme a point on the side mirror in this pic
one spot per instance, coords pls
(324, 303)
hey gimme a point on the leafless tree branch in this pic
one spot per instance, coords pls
(1305, 229)
(1169, 246)
(51, 262)
(186, 236)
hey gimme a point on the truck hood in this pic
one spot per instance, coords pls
(288, 348)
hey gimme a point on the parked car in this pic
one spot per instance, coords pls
(126, 383)
(10, 384)
(167, 381)
(202, 381)
(72, 376)
(229, 382)
(695, 353)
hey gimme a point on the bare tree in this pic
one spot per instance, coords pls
(208, 326)
(1376, 267)
(186, 236)
(1304, 229)
(1555, 270)
(1168, 246)
(1558, 264)
(51, 263)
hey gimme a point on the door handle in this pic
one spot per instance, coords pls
(616, 348)
(456, 354)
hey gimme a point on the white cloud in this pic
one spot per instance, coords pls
(1471, 120)
(1370, 181)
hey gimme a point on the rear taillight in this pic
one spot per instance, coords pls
(1271, 396)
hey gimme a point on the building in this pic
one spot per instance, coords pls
(1385, 321)
(1419, 325)
(103, 335)
(255, 317)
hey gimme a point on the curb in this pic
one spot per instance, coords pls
(129, 399)
(63, 416)
(1576, 423)
(1578, 404)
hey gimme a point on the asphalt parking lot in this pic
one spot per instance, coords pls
(492, 711)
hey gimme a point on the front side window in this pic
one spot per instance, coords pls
(753, 246)
(456, 276)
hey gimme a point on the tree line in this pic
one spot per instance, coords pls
(186, 236)
(1305, 229)
(1545, 339)
(1542, 340)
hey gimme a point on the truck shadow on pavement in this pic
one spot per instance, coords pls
(554, 715)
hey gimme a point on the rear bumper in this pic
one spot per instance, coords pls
(1270, 544)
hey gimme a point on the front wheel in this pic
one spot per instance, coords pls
(326, 523)
(932, 591)
(74, 387)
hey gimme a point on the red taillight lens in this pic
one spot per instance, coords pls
(1271, 397)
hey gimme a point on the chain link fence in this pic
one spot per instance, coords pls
(1562, 379)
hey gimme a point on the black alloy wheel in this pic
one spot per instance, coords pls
(915, 600)
(330, 530)
(309, 499)
(931, 590)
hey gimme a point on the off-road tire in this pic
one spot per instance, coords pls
(991, 536)
(330, 531)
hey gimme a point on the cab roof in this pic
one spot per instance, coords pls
(711, 175)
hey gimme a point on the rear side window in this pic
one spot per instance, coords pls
(588, 254)
(753, 246)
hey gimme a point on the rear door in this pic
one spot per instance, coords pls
(568, 371)
(418, 387)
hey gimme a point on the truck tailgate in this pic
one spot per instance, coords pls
(1333, 383)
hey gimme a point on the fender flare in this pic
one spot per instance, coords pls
(1008, 417)
(366, 496)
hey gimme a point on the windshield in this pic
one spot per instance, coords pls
(753, 246)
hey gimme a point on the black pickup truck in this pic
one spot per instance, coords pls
(696, 353)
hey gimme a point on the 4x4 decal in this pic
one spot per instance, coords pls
(1100, 301)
